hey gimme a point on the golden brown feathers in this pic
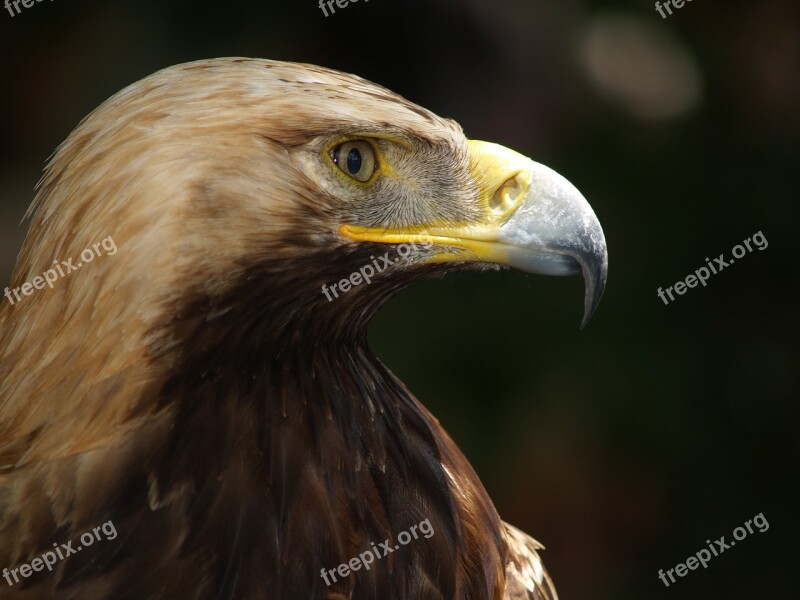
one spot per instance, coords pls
(196, 389)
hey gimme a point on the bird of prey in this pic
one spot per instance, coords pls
(201, 394)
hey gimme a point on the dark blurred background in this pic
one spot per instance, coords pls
(625, 446)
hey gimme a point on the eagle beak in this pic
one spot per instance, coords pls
(533, 219)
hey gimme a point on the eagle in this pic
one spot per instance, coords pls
(207, 391)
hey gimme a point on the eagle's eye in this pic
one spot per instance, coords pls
(356, 159)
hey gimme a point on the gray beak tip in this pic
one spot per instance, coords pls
(595, 286)
(594, 267)
(556, 232)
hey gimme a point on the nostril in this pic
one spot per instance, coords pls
(507, 196)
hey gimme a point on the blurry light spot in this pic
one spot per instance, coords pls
(643, 67)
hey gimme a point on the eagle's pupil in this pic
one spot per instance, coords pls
(354, 161)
